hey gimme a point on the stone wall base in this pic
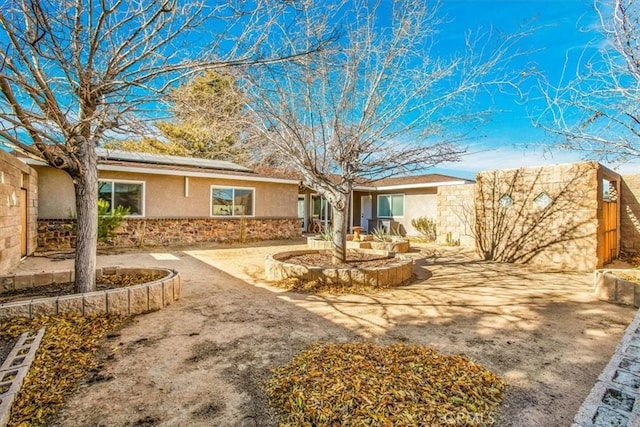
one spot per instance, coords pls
(59, 234)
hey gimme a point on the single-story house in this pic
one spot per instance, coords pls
(174, 200)
(171, 200)
(556, 216)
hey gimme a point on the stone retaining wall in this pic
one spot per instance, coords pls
(615, 289)
(59, 234)
(122, 301)
(394, 274)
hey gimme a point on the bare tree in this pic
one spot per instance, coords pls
(382, 102)
(596, 109)
(75, 71)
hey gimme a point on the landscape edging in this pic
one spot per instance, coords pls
(125, 301)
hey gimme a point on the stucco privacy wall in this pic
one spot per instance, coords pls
(630, 214)
(168, 196)
(514, 223)
(15, 177)
(456, 214)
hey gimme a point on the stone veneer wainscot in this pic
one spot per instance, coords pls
(59, 234)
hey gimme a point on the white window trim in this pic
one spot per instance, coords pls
(129, 181)
(390, 195)
(226, 187)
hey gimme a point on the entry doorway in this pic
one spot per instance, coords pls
(365, 212)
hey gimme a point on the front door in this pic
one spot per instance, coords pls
(365, 212)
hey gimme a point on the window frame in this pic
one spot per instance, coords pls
(143, 207)
(233, 188)
(390, 195)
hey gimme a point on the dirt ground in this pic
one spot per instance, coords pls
(203, 360)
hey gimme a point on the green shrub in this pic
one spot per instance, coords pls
(109, 220)
(426, 227)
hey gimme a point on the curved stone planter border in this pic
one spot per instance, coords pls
(394, 274)
(611, 288)
(400, 246)
(122, 301)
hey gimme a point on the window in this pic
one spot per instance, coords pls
(390, 205)
(542, 200)
(320, 209)
(505, 201)
(230, 201)
(128, 194)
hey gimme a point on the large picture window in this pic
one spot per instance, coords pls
(231, 201)
(390, 205)
(128, 194)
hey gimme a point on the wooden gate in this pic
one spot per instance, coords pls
(609, 245)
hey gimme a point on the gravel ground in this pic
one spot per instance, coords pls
(203, 360)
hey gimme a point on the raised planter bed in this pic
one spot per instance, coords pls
(123, 301)
(618, 286)
(397, 272)
(398, 246)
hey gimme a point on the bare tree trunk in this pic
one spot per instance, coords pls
(86, 189)
(340, 229)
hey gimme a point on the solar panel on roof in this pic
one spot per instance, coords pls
(163, 159)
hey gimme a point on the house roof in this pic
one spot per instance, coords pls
(159, 164)
(412, 181)
(163, 159)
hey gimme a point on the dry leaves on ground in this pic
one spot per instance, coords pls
(367, 384)
(323, 287)
(66, 354)
(106, 281)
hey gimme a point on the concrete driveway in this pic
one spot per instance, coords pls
(202, 361)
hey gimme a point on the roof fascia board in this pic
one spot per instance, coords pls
(411, 186)
(118, 168)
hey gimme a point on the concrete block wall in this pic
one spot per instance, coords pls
(630, 214)
(11, 182)
(514, 225)
(456, 214)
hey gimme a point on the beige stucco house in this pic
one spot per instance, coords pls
(172, 200)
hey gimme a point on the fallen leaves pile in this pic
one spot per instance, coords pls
(322, 287)
(367, 384)
(66, 354)
(110, 281)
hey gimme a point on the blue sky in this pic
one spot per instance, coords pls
(565, 29)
